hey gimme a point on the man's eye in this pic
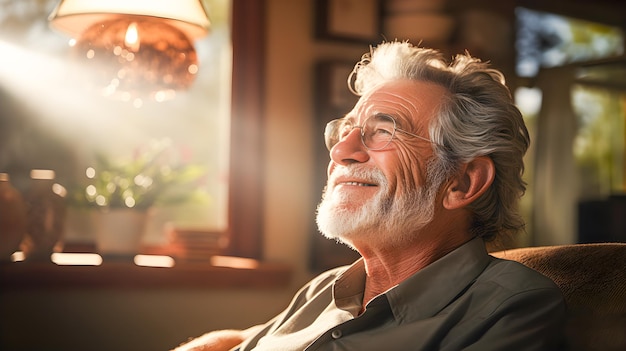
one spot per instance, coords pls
(383, 130)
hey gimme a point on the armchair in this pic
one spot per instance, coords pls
(593, 280)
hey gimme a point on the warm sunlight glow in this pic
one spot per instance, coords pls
(129, 202)
(76, 259)
(132, 37)
(234, 262)
(59, 190)
(154, 261)
(28, 73)
(52, 116)
(17, 256)
(66, 258)
(42, 174)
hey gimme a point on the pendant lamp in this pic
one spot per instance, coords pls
(135, 49)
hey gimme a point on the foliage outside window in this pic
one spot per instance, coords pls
(157, 175)
(550, 40)
(545, 41)
(599, 147)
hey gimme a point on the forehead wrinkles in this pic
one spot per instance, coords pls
(406, 109)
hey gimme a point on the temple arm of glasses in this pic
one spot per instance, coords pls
(415, 135)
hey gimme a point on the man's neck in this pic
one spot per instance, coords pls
(387, 268)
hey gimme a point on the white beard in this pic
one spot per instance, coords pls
(384, 219)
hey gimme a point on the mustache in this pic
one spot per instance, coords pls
(368, 174)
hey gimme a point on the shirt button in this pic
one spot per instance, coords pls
(336, 334)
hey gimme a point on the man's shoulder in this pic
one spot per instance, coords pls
(514, 277)
(509, 288)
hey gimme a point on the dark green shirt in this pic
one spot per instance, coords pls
(467, 300)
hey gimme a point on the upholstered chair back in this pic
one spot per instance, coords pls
(593, 280)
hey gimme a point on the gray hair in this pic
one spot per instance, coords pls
(477, 118)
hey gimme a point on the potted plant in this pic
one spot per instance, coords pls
(123, 191)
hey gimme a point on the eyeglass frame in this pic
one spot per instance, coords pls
(362, 132)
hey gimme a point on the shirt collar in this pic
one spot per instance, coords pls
(349, 287)
(429, 290)
(424, 293)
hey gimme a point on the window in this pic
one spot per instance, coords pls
(550, 40)
(47, 122)
(574, 108)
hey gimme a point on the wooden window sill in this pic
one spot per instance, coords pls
(118, 274)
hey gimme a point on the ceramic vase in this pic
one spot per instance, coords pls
(120, 232)
(12, 218)
(45, 209)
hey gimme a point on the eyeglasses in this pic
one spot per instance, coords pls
(376, 132)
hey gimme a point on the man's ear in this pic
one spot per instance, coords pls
(472, 180)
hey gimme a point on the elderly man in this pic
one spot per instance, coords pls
(425, 168)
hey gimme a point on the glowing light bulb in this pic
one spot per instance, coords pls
(137, 58)
(131, 39)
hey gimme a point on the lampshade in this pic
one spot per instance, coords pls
(75, 16)
(134, 49)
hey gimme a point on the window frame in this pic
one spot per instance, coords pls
(245, 215)
(245, 221)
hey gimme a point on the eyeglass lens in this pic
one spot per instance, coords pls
(376, 131)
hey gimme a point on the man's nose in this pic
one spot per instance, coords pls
(350, 149)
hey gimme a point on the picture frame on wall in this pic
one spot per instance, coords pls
(356, 21)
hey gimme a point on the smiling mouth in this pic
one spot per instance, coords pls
(358, 184)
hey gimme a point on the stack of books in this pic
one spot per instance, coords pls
(196, 244)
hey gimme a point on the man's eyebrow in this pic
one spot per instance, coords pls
(401, 120)
(385, 114)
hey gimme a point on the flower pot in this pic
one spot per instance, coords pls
(119, 232)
